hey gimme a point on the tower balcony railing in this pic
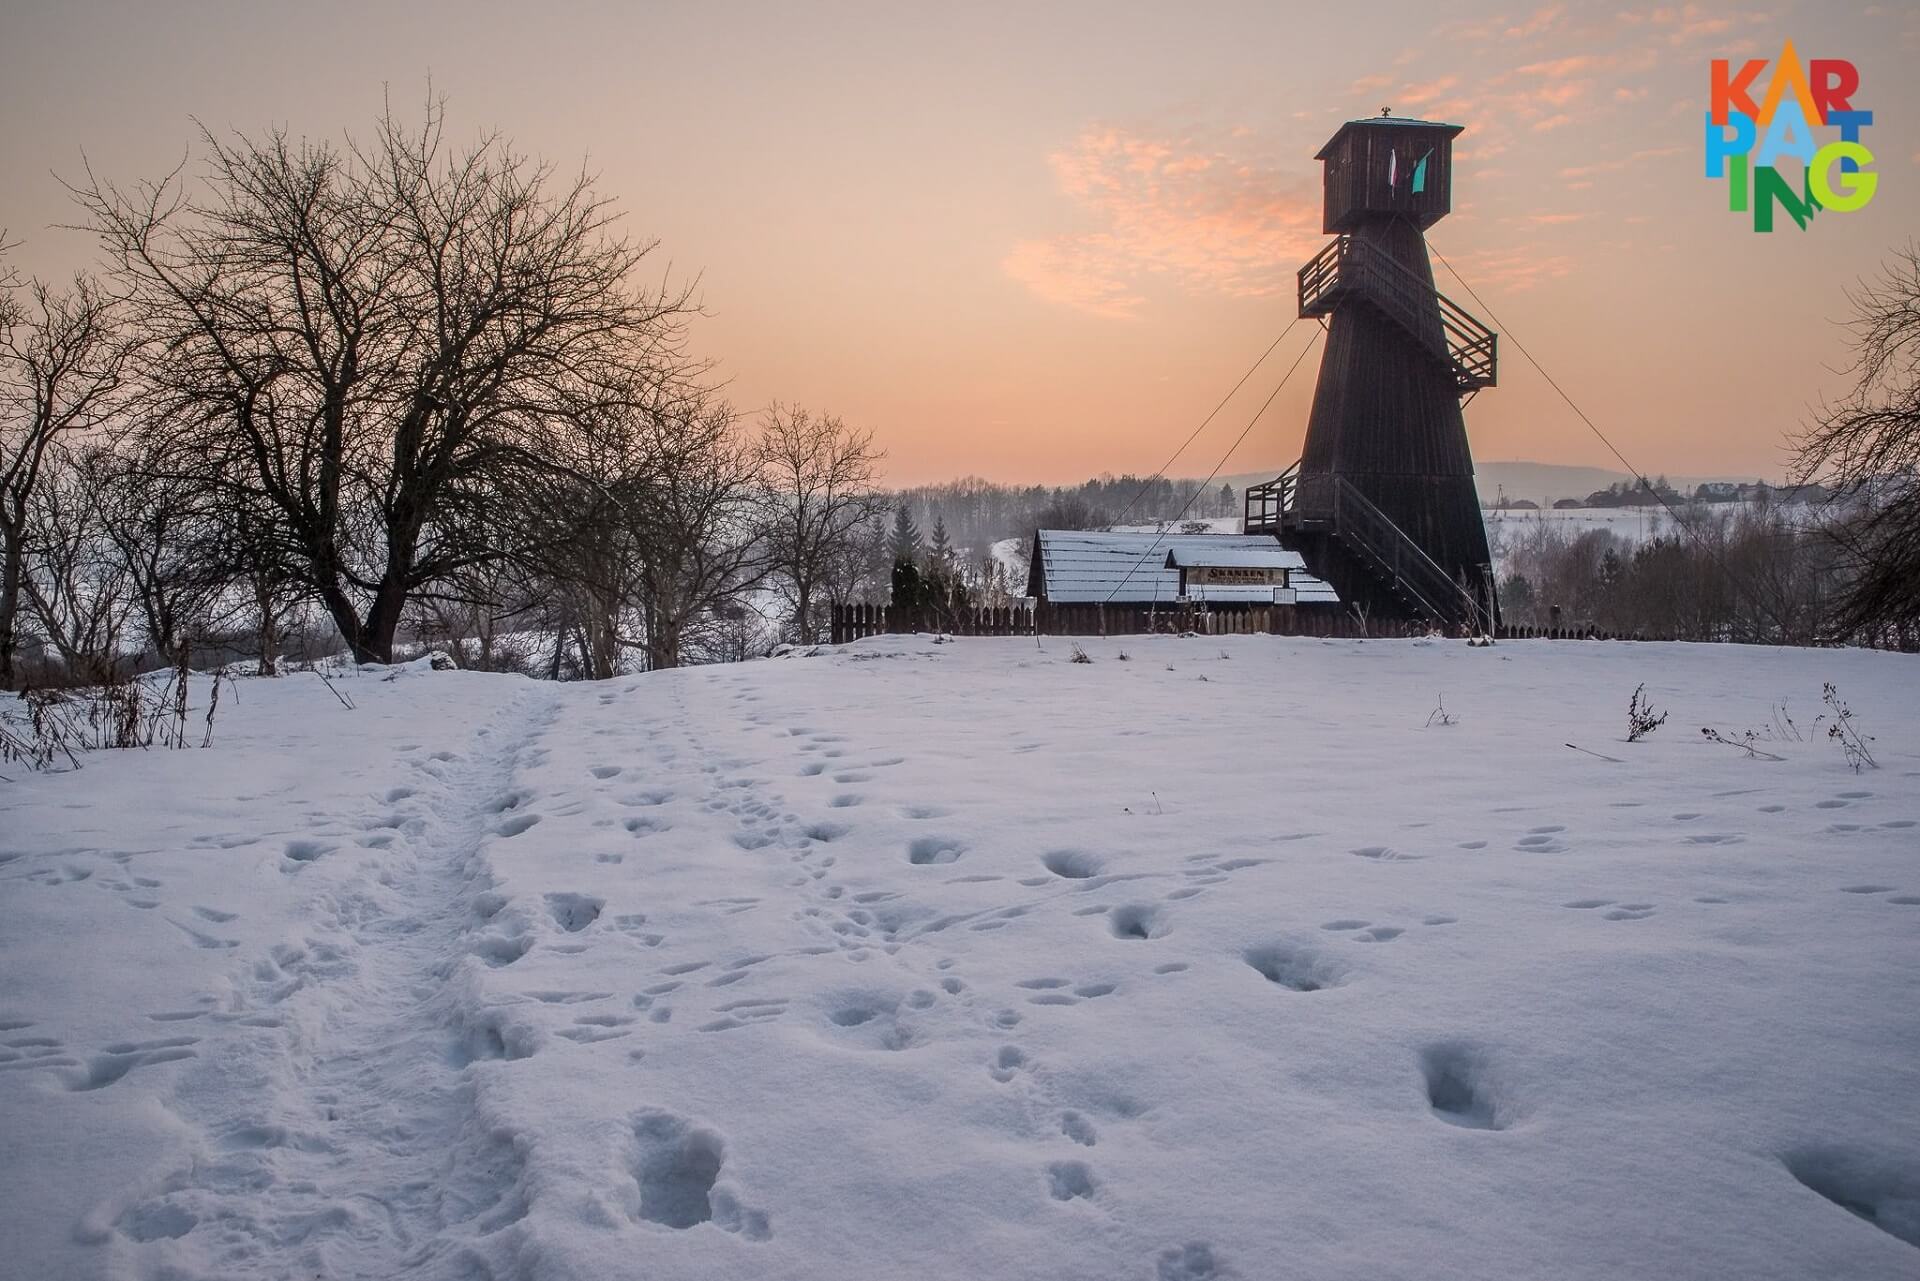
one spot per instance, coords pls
(1348, 268)
(1267, 505)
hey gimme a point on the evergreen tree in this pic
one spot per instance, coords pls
(941, 559)
(904, 545)
(910, 591)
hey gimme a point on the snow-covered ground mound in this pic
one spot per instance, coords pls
(968, 960)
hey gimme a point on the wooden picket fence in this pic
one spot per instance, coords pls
(1528, 632)
(1047, 618)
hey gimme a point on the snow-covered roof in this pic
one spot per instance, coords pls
(1272, 556)
(1079, 565)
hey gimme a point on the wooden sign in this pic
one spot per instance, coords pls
(1236, 576)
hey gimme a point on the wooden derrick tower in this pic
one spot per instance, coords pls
(1382, 502)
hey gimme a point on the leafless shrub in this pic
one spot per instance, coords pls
(1642, 720)
(1080, 655)
(47, 726)
(1439, 715)
(1843, 731)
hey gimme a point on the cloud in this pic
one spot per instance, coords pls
(1558, 68)
(1422, 94)
(1540, 20)
(1690, 23)
(1205, 218)
(1552, 122)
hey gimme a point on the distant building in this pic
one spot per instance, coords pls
(1071, 566)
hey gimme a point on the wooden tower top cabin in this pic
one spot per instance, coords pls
(1388, 166)
(1382, 502)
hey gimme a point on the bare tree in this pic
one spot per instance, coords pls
(62, 365)
(820, 475)
(81, 594)
(374, 341)
(165, 536)
(1868, 442)
(859, 568)
(654, 529)
(699, 524)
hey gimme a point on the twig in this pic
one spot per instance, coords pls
(337, 692)
(1745, 745)
(213, 705)
(1616, 760)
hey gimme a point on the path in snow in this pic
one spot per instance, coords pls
(359, 1152)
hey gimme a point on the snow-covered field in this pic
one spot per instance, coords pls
(1634, 525)
(965, 960)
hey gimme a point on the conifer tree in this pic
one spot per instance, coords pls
(941, 559)
(904, 544)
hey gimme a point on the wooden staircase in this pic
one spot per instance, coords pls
(1350, 269)
(1332, 506)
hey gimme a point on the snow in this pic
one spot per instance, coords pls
(963, 959)
(1634, 525)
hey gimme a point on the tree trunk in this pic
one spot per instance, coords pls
(11, 572)
(803, 610)
(663, 644)
(269, 630)
(603, 638)
(375, 640)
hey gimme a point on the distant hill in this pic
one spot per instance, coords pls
(1542, 482)
(1538, 481)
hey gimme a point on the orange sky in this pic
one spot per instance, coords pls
(1039, 242)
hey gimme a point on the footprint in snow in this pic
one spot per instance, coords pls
(1880, 1188)
(1071, 1180)
(1193, 1261)
(1461, 1088)
(1008, 1063)
(117, 1060)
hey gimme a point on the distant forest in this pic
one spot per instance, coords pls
(978, 513)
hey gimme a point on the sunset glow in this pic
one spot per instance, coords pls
(1037, 244)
